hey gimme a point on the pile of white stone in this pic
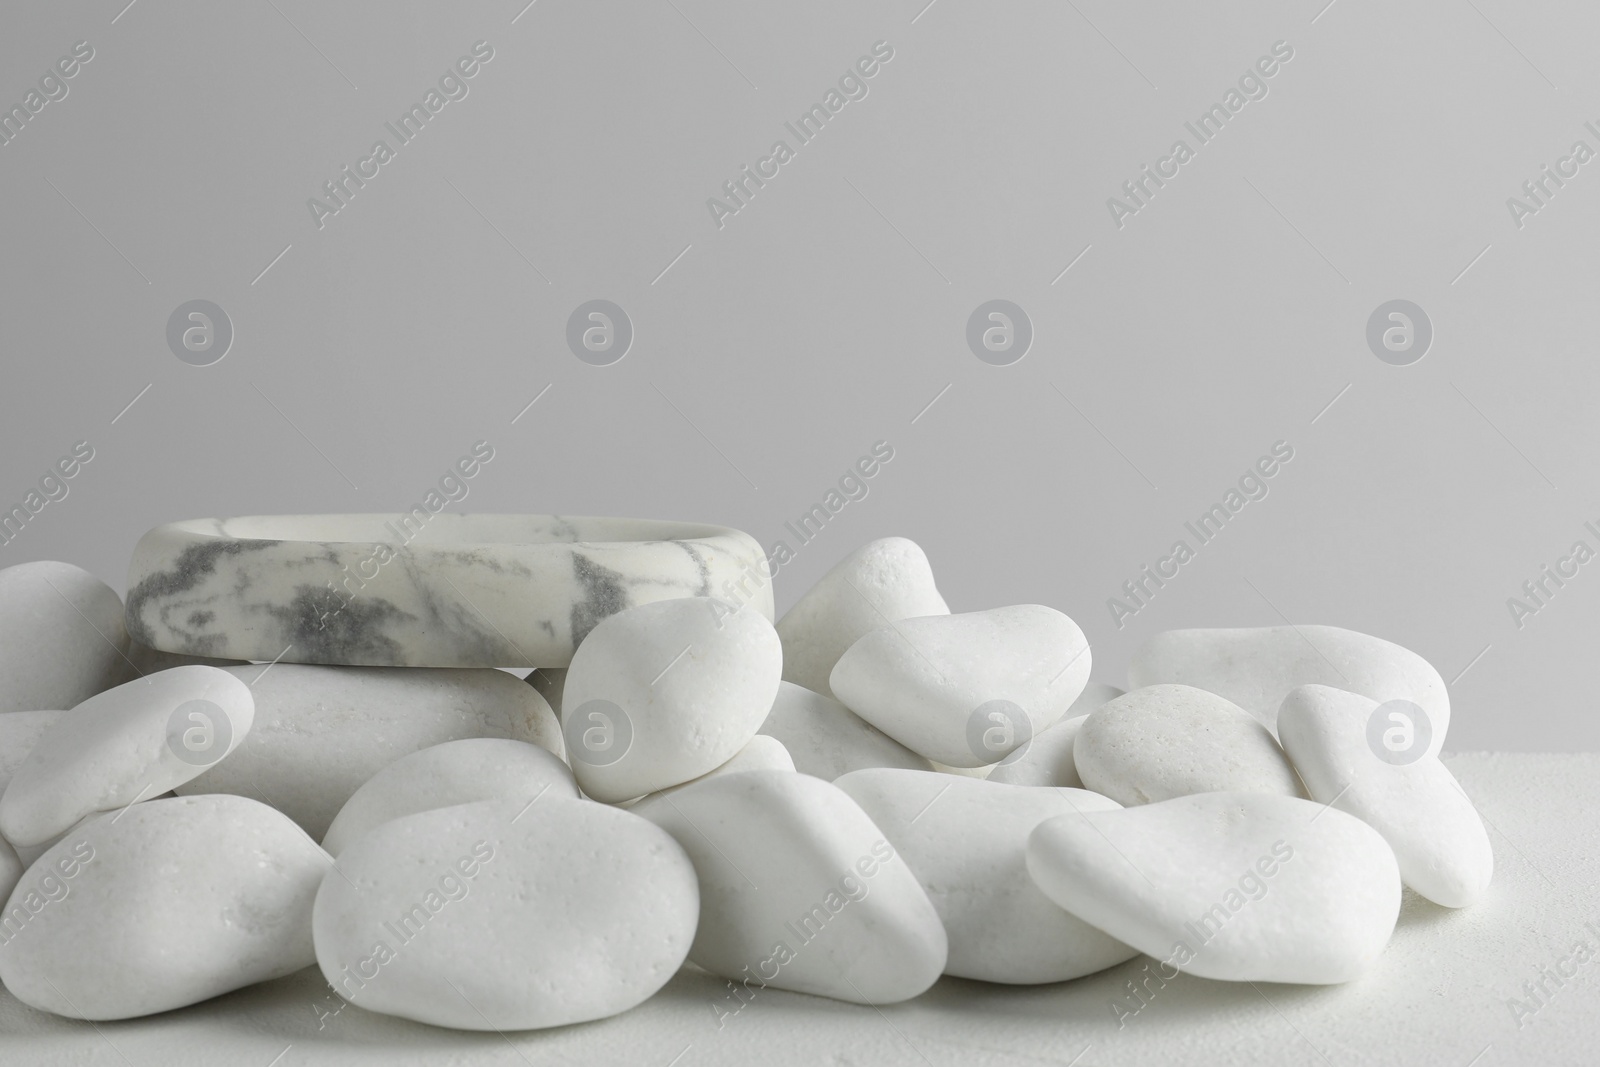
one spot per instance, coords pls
(871, 794)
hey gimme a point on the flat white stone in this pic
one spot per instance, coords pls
(665, 692)
(61, 637)
(827, 739)
(799, 890)
(171, 903)
(441, 776)
(957, 688)
(487, 916)
(883, 581)
(1166, 741)
(966, 842)
(135, 741)
(1418, 807)
(1047, 758)
(430, 588)
(320, 732)
(1237, 886)
(1256, 668)
(19, 732)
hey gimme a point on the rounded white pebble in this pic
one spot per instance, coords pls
(799, 890)
(171, 903)
(966, 841)
(135, 741)
(882, 581)
(320, 732)
(19, 732)
(1047, 758)
(662, 693)
(827, 739)
(487, 916)
(966, 690)
(441, 776)
(1167, 741)
(1236, 886)
(1256, 667)
(61, 637)
(1417, 805)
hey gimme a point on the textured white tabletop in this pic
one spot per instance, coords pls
(1439, 995)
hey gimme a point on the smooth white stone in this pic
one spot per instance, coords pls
(966, 841)
(489, 917)
(931, 683)
(420, 590)
(320, 732)
(441, 776)
(19, 732)
(1047, 758)
(171, 903)
(679, 685)
(1418, 807)
(882, 581)
(1256, 668)
(61, 636)
(142, 660)
(1236, 886)
(1167, 741)
(799, 890)
(138, 740)
(827, 739)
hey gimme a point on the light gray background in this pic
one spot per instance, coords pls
(1222, 318)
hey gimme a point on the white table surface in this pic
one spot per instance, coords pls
(1438, 996)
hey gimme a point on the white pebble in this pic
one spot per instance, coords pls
(1047, 758)
(827, 739)
(1256, 668)
(320, 732)
(171, 903)
(487, 916)
(662, 693)
(883, 581)
(800, 891)
(966, 842)
(441, 776)
(129, 743)
(1337, 742)
(19, 732)
(61, 637)
(966, 690)
(1236, 886)
(1166, 741)
(11, 868)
